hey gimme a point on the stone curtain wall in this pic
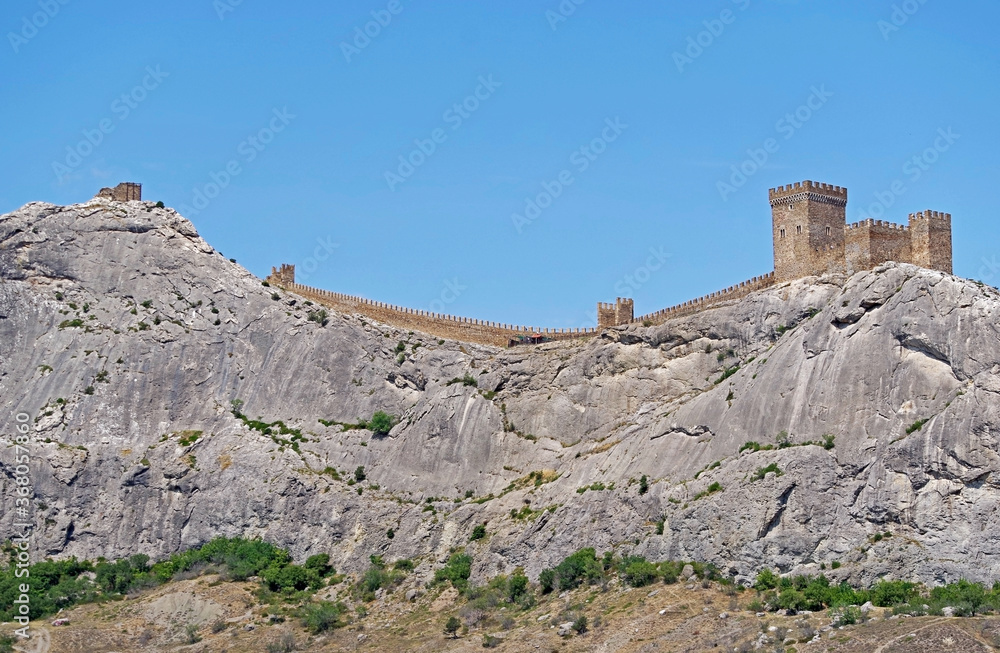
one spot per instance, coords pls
(700, 304)
(811, 237)
(870, 243)
(436, 324)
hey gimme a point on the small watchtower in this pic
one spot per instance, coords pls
(621, 312)
(283, 276)
(808, 221)
(126, 191)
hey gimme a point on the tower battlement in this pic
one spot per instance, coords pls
(807, 190)
(930, 215)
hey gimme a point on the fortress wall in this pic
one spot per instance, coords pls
(436, 324)
(695, 305)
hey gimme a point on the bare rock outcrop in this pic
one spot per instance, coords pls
(126, 338)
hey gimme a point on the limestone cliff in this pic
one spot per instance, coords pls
(125, 337)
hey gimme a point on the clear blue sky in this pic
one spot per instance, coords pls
(217, 74)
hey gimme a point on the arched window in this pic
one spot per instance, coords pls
(798, 229)
(782, 233)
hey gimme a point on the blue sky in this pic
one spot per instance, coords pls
(631, 115)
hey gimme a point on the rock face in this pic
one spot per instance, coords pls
(125, 338)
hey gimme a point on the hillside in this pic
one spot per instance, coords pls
(126, 338)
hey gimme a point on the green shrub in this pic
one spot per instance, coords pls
(451, 626)
(457, 571)
(728, 373)
(755, 447)
(887, 593)
(638, 572)
(467, 380)
(547, 580)
(322, 616)
(478, 533)
(764, 471)
(643, 485)
(828, 441)
(766, 580)
(580, 625)
(517, 587)
(359, 473)
(381, 423)
(916, 426)
(317, 316)
(579, 567)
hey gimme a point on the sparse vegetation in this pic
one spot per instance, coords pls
(764, 471)
(916, 426)
(318, 316)
(467, 380)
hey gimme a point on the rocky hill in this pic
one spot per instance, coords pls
(126, 338)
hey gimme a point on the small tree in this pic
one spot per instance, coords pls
(381, 423)
(359, 473)
(643, 485)
(452, 626)
(478, 533)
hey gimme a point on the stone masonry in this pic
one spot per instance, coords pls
(126, 191)
(811, 237)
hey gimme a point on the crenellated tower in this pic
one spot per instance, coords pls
(621, 312)
(930, 240)
(808, 220)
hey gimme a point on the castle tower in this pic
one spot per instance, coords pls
(283, 276)
(930, 240)
(808, 221)
(621, 312)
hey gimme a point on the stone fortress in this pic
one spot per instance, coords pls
(811, 237)
(810, 233)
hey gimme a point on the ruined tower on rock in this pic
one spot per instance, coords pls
(126, 191)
